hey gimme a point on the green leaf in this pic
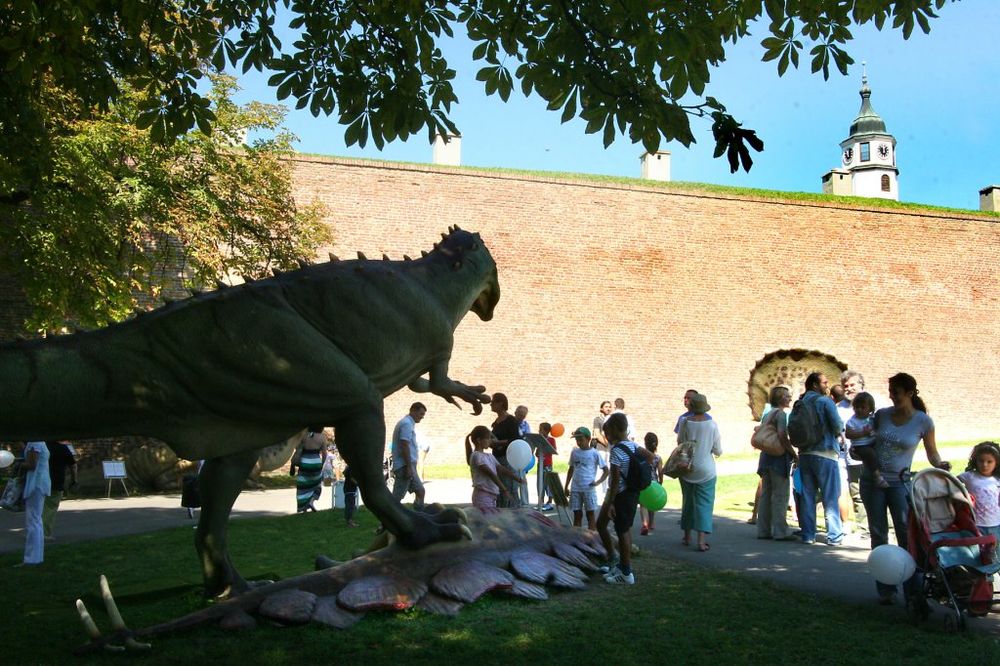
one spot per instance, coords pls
(569, 110)
(609, 132)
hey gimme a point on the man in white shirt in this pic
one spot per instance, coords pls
(404, 456)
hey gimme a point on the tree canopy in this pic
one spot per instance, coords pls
(118, 221)
(630, 68)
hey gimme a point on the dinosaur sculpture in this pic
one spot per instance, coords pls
(225, 373)
(517, 552)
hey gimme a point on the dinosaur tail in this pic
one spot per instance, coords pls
(55, 388)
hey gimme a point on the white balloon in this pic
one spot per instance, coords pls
(890, 564)
(518, 454)
(6, 459)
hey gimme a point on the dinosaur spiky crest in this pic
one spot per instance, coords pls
(361, 255)
(333, 257)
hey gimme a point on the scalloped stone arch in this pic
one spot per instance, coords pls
(788, 367)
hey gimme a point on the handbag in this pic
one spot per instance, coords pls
(766, 439)
(680, 461)
(13, 494)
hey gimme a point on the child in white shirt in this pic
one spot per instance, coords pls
(860, 431)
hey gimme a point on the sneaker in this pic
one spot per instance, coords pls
(547, 507)
(835, 542)
(618, 578)
(809, 542)
(608, 567)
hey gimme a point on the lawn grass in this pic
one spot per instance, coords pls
(676, 613)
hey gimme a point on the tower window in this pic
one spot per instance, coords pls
(885, 183)
(866, 153)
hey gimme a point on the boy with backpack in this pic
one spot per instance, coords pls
(814, 428)
(631, 472)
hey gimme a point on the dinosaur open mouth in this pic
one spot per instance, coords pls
(487, 299)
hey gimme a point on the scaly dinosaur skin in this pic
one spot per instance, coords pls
(223, 374)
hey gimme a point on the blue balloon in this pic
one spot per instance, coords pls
(530, 465)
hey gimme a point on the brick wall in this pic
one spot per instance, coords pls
(643, 291)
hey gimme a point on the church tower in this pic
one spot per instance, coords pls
(868, 156)
(869, 153)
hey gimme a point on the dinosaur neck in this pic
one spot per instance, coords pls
(453, 291)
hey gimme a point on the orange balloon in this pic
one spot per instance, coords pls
(558, 429)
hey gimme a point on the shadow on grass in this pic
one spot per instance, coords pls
(676, 612)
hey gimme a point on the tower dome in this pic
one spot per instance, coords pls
(867, 122)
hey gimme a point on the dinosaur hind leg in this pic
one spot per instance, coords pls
(361, 440)
(220, 481)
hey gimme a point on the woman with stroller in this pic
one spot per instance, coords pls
(898, 431)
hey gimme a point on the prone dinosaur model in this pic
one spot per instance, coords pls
(225, 373)
(519, 552)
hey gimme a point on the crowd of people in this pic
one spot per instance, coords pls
(863, 454)
(860, 454)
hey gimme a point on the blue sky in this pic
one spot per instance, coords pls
(939, 95)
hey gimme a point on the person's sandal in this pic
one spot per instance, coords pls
(704, 548)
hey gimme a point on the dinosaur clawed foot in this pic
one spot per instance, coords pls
(435, 524)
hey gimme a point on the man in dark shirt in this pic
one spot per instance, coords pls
(60, 459)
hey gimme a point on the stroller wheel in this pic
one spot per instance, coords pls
(954, 622)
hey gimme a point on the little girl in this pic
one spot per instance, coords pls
(651, 442)
(982, 479)
(860, 429)
(486, 485)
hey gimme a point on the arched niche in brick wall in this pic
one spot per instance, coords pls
(788, 367)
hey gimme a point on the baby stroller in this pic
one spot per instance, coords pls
(955, 563)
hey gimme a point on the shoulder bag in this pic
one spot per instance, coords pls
(765, 437)
(680, 461)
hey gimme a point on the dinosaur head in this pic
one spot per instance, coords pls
(465, 253)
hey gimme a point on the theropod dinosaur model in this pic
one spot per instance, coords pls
(225, 373)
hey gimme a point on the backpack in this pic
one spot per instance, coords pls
(640, 472)
(805, 429)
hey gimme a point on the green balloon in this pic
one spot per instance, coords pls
(653, 497)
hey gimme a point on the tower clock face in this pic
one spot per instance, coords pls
(883, 151)
(848, 155)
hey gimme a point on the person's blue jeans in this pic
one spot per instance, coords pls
(895, 502)
(823, 473)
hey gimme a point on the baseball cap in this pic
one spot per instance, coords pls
(581, 432)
